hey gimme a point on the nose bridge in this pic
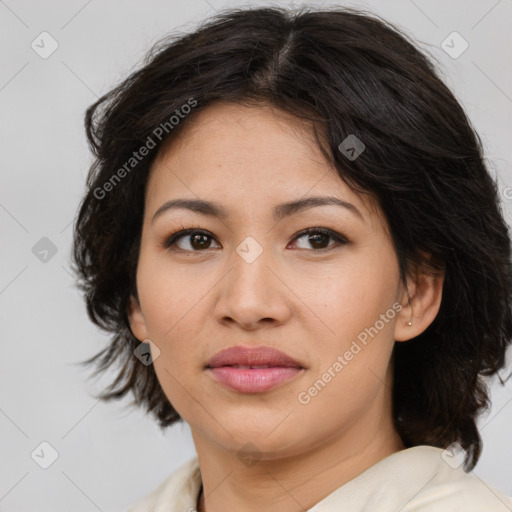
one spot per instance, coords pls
(250, 274)
(252, 291)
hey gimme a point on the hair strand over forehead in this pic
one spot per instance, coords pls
(349, 73)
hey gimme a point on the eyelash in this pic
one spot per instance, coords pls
(176, 236)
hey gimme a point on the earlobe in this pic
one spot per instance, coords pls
(136, 320)
(420, 307)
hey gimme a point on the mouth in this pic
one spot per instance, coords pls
(246, 379)
(253, 369)
(252, 357)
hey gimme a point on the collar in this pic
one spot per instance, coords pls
(402, 481)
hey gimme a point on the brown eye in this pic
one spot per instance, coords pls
(318, 238)
(191, 240)
(200, 241)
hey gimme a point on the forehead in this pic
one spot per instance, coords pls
(246, 155)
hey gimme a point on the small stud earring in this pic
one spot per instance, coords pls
(409, 323)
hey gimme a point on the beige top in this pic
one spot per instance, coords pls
(416, 479)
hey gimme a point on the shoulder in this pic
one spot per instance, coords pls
(450, 488)
(418, 479)
(178, 491)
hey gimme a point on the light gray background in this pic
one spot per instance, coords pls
(109, 456)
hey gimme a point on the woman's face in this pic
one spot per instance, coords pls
(251, 279)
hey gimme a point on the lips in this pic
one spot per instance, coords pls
(252, 357)
(253, 369)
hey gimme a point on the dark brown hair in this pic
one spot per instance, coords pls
(350, 73)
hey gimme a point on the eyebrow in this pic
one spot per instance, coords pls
(281, 211)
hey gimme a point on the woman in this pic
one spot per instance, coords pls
(291, 212)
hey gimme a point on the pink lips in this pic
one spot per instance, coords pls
(252, 370)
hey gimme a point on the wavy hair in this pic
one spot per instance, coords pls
(348, 72)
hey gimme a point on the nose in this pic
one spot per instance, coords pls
(253, 294)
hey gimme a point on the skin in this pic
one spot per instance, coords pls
(311, 303)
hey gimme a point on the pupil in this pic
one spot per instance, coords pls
(315, 239)
(202, 244)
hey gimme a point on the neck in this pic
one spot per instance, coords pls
(294, 483)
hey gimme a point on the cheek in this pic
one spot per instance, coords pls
(359, 290)
(353, 362)
(174, 313)
(350, 305)
(170, 299)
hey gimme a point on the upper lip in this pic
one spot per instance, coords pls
(251, 356)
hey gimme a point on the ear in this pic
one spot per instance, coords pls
(421, 301)
(136, 320)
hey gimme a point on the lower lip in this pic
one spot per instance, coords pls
(255, 380)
